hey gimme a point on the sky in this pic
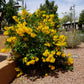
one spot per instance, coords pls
(63, 5)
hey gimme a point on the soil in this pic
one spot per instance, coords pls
(59, 76)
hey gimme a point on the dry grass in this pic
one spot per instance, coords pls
(73, 39)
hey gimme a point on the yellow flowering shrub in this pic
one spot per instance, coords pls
(34, 40)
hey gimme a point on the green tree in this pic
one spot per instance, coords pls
(49, 7)
(81, 18)
(67, 17)
(9, 11)
(2, 4)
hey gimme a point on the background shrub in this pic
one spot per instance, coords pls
(73, 39)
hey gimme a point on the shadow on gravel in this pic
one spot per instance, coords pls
(34, 74)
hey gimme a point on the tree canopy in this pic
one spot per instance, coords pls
(81, 18)
(2, 4)
(49, 7)
(9, 11)
(67, 17)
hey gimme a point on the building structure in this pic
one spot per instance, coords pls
(68, 25)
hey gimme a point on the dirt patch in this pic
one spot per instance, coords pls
(59, 76)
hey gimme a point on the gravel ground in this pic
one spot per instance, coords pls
(59, 76)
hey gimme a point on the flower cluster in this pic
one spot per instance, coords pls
(35, 39)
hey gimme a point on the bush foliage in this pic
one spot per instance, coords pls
(35, 41)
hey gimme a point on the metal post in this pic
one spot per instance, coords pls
(71, 15)
(74, 15)
(23, 3)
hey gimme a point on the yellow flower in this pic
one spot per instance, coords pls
(52, 15)
(52, 23)
(53, 52)
(25, 59)
(24, 23)
(32, 62)
(30, 14)
(18, 75)
(61, 44)
(45, 30)
(43, 11)
(3, 50)
(22, 17)
(11, 39)
(45, 20)
(36, 59)
(43, 59)
(47, 44)
(62, 38)
(47, 16)
(53, 68)
(50, 20)
(50, 59)
(53, 31)
(12, 28)
(55, 38)
(44, 15)
(70, 61)
(17, 69)
(63, 55)
(8, 49)
(9, 59)
(69, 54)
(46, 74)
(58, 25)
(27, 63)
(19, 13)
(5, 28)
(24, 12)
(57, 49)
(58, 53)
(15, 18)
(33, 35)
(50, 66)
(46, 53)
(6, 33)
